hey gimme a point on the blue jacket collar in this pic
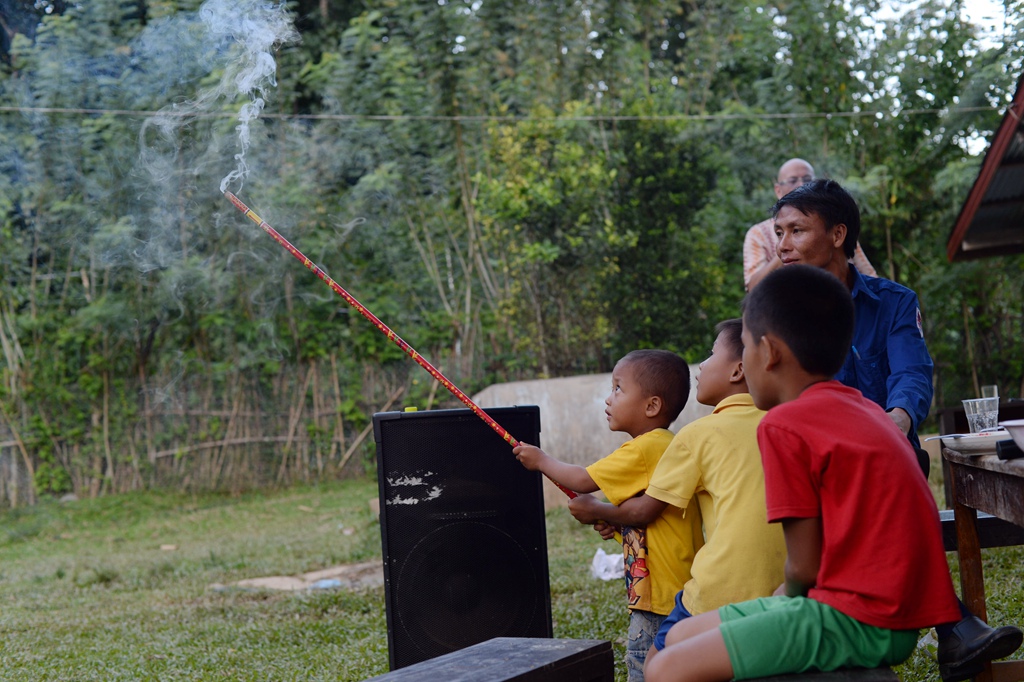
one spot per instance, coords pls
(860, 285)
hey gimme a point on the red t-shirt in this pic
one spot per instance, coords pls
(834, 454)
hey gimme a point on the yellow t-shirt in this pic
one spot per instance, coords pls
(716, 461)
(658, 558)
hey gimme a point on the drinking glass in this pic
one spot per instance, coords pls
(982, 413)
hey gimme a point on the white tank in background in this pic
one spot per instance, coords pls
(572, 421)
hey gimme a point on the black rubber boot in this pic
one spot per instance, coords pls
(963, 654)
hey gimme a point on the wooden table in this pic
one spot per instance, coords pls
(984, 483)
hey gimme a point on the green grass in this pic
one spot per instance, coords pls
(86, 593)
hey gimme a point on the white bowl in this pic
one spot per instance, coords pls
(1016, 429)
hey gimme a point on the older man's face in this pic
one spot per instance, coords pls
(792, 175)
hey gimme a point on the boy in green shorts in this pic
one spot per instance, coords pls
(715, 461)
(865, 567)
(649, 390)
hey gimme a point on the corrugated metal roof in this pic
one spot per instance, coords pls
(991, 221)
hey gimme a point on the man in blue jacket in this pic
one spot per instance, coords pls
(818, 224)
(889, 361)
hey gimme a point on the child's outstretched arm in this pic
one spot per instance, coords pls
(636, 511)
(803, 554)
(572, 476)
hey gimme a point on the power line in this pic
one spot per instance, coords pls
(490, 118)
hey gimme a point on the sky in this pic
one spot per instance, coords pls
(984, 9)
(987, 14)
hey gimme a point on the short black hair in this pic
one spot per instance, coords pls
(733, 331)
(664, 374)
(833, 204)
(810, 310)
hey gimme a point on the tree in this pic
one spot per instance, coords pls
(519, 189)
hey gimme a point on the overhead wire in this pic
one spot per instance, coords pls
(878, 114)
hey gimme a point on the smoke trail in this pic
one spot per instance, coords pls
(171, 60)
(257, 27)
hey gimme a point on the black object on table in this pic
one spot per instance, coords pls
(1007, 449)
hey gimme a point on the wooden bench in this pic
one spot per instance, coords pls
(992, 531)
(522, 659)
(842, 675)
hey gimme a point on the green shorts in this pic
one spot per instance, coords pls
(776, 635)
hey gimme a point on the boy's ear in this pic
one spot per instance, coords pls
(737, 373)
(654, 406)
(772, 351)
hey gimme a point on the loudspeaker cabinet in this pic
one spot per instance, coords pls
(462, 529)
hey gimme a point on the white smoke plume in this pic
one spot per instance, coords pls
(257, 28)
(174, 56)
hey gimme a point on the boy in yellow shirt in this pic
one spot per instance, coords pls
(649, 390)
(714, 460)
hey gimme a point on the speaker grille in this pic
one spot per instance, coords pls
(448, 602)
(465, 550)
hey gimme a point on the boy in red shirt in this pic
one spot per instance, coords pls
(865, 567)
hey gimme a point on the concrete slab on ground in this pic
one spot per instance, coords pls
(367, 574)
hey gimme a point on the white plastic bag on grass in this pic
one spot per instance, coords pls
(606, 566)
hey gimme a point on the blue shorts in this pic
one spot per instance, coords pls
(679, 612)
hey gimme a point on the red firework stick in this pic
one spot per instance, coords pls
(365, 312)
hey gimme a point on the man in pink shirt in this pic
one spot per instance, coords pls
(759, 256)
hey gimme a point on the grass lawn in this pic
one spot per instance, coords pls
(87, 593)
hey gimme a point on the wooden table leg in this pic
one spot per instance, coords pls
(1007, 671)
(972, 580)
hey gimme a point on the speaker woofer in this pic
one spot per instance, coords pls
(449, 604)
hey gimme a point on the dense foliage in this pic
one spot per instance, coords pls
(520, 189)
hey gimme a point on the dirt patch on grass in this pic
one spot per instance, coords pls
(366, 575)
